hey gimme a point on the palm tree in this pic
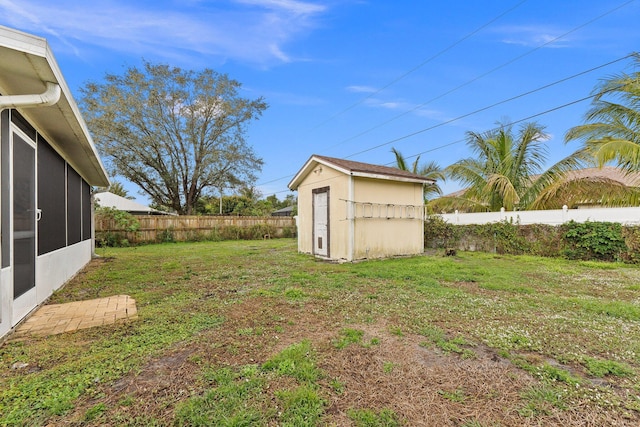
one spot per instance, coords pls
(507, 171)
(429, 170)
(613, 134)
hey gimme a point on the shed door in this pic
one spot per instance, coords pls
(321, 222)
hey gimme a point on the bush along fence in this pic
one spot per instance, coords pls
(117, 228)
(607, 241)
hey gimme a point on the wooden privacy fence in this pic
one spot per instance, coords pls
(160, 228)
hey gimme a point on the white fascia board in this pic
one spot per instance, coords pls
(392, 177)
(308, 167)
(44, 68)
(23, 42)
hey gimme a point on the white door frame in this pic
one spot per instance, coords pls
(26, 302)
(321, 222)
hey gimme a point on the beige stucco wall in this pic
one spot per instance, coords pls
(372, 237)
(382, 237)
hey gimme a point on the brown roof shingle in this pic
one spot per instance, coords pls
(353, 166)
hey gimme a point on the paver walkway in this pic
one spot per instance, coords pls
(58, 318)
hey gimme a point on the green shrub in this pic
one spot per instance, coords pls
(604, 241)
(506, 237)
(122, 220)
(631, 237)
(593, 240)
(166, 236)
(112, 240)
(440, 234)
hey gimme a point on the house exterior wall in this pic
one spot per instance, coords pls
(54, 264)
(376, 237)
(48, 163)
(338, 183)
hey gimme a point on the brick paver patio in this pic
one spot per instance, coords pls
(58, 318)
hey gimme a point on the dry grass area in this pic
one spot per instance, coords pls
(475, 340)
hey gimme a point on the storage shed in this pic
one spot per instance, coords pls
(48, 164)
(351, 210)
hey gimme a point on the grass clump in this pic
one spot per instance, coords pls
(347, 337)
(371, 418)
(301, 407)
(234, 401)
(601, 368)
(295, 361)
(454, 396)
(540, 400)
(454, 345)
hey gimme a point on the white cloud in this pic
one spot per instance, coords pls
(251, 31)
(292, 6)
(361, 89)
(533, 36)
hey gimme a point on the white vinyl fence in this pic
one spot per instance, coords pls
(625, 216)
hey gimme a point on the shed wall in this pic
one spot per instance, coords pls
(338, 183)
(397, 232)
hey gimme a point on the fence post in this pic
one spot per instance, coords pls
(565, 213)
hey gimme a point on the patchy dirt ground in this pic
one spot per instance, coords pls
(205, 308)
(423, 385)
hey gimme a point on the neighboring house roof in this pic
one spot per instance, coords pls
(109, 200)
(26, 64)
(359, 169)
(606, 172)
(283, 212)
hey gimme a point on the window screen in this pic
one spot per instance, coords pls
(86, 211)
(74, 206)
(52, 233)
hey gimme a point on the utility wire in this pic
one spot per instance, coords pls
(423, 63)
(533, 116)
(460, 86)
(504, 101)
(493, 105)
(499, 67)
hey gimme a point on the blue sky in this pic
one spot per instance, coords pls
(354, 78)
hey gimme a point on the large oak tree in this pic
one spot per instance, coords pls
(177, 134)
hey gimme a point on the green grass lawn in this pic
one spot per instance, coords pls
(252, 333)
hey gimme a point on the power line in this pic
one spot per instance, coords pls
(494, 104)
(533, 116)
(423, 63)
(464, 84)
(499, 67)
(504, 101)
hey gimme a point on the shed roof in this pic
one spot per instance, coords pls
(350, 167)
(26, 64)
